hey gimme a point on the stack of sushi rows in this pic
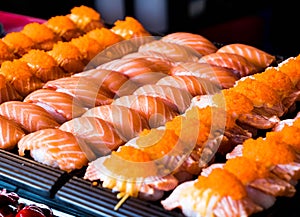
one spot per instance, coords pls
(74, 105)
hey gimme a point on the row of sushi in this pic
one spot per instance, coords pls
(173, 54)
(44, 36)
(61, 46)
(167, 158)
(255, 174)
(154, 70)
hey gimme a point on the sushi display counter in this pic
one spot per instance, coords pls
(71, 189)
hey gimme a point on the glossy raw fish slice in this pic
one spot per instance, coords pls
(128, 67)
(218, 75)
(151, 55)
(127, 122)
(232, 61)
(54, 147)
(258, 57)
(201, 44)
(179, 97)
(194, 85)
(83, 89)
(10, 133)
(161, 63)
(156, 110)
(98, 135)
(147, 78)
(114, 81)
(7, 91)
(61, 106)
(29, 116)
(175, 52)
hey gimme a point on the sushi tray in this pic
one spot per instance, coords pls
(99, 120)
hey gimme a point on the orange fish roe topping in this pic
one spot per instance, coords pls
(129, 28)
(18, 43)
(211, 121)
(235, 103)
(187, 129)
(39, 59)
(86, 18)
(65, 50)
(84, 11)
(157, 143)
(260, 93)
(104, 36)
(88, 47)
(223, 183)
(132, 154)
(291, 67)
(255, 170)
(60, 24)
(38, 32)
(12, 70)
(268, 152)
(289, 135)
(5, 53)
(296, 122)
(279, 81)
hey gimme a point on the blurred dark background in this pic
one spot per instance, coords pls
(268, 25)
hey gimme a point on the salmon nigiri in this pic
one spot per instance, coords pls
(201, 44)
(179, 97)
(232, 61)
(98, 135)
(194, 85)
(128, 122)
(54, 147)
(260, 58)
(31, 117)
(61, 106)
(218, 75)
(129, 67)
(176, 52)
(84, 89)
(156, 110)
(10, 133)
(116, 82)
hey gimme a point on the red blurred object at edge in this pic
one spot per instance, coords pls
(15, 22)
